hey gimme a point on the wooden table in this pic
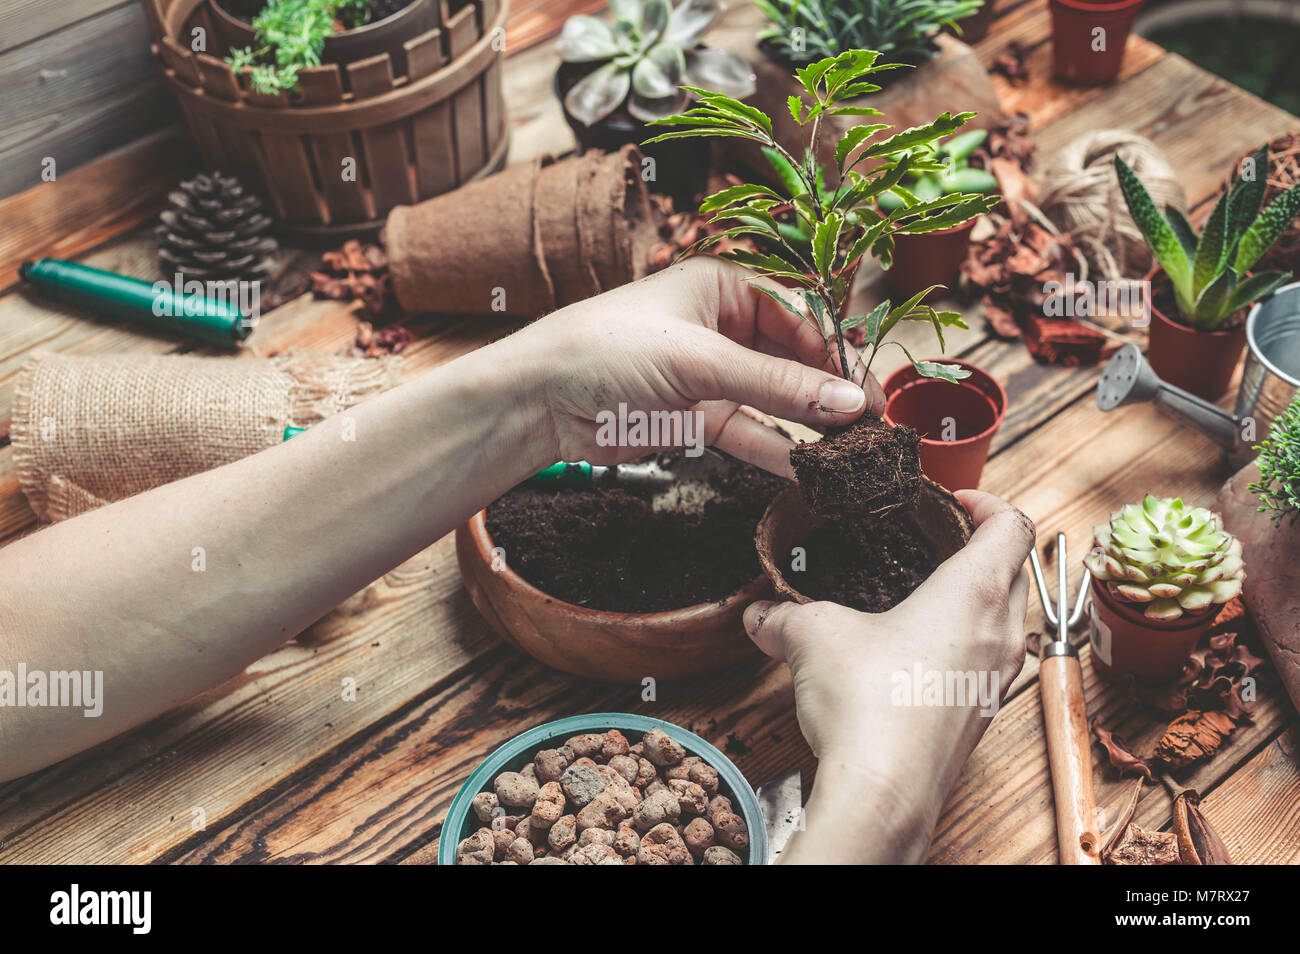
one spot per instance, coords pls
(274, 766)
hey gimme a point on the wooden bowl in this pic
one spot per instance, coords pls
(941, 518)
(598, 644)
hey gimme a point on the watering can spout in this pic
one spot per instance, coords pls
(1128, 379)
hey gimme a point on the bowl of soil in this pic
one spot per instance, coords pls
(519, 751)
(864, 528)
(619, 583)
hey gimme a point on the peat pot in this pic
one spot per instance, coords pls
(519, 751)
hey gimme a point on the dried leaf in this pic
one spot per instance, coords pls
(1193, 737)
(1138, 846)
(1120, 755)
(1198, 843)
(1111, 838)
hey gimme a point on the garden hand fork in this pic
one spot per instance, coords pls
(1069, 748)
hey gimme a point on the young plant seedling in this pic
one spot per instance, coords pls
(292, 34)
(818, 251)
(1208, 273)
(1278, 486)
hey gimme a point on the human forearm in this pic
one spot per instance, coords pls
(176, 589)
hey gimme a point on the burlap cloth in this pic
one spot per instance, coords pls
(535, 237)
(89, 431)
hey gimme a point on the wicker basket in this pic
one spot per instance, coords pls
(432, 124)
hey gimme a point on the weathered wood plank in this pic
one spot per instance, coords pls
(1257, 810)
(22, 21)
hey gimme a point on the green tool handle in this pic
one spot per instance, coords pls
(215, 321)
(576, 474)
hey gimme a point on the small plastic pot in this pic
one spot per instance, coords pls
(519, 751)
(927, 258)
(1074, 23)
(969, 411)
(1125, 642)
(1201, 362)
(681, 166)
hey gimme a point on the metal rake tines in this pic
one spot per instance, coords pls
(1058, 612)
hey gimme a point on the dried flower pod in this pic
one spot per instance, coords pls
(1192, 737)
(1138, 846)
(1198, 843)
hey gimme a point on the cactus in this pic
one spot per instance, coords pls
(648, 54)
(1168, 556)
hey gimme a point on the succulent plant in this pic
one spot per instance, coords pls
(832, 228)
(801, 31)
(1168, 556)
(1209, 272)
(647, 55)
(956, 176)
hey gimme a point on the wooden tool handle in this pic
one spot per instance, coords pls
(1069, 752)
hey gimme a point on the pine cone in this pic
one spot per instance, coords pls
(216, 230)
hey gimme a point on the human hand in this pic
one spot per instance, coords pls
(694, 337)
(856, 677)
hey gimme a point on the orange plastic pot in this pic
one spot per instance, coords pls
(1075, 36)
(1201, 362)
(956, 421)
(927, 258)
(1125, 642)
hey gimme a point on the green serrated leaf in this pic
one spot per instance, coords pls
(854, 137)
(826, 237)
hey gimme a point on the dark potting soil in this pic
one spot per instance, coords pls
(867, 468)
(870, 565)
(605, 548)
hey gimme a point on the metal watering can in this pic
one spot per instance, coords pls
(1268, 384)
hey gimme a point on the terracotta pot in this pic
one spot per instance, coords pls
(927, 258)
(1125, 642)
(970, 411)
(681, 166)
(597, 644)
(1073, 24)
(942, 520)
(1201, 362)
(975, 28)
(349, 46)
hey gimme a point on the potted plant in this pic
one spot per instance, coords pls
(863, 469)
(1278, 486)
(1202, 284)
(615, 79)
(275, 39)
(1089, 36)
(1160, 571)
(934, 256)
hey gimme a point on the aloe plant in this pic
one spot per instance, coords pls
(843, 223)
(1167, 556)
(1209, 272)
(801, 31)
(649, 52)
(956, 176)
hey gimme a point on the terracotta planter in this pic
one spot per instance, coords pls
(942, 520)
(615, 647)
(681, 166)
(975, 28)
(1074, 26)
(927, 258)
(349, 46)
(1201, 362)
(969, 411)
(1125, 642)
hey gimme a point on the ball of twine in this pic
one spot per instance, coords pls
(1080, 192)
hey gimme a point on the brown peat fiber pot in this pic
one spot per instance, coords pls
(1088, 38)
(956, 422)
(927, 258)
(665, 578)
(1126, 642)
(681, 166)
(1201, 362)
(868, 564)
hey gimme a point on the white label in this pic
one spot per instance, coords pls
(1099, 635)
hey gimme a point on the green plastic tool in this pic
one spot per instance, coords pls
(212, 320)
